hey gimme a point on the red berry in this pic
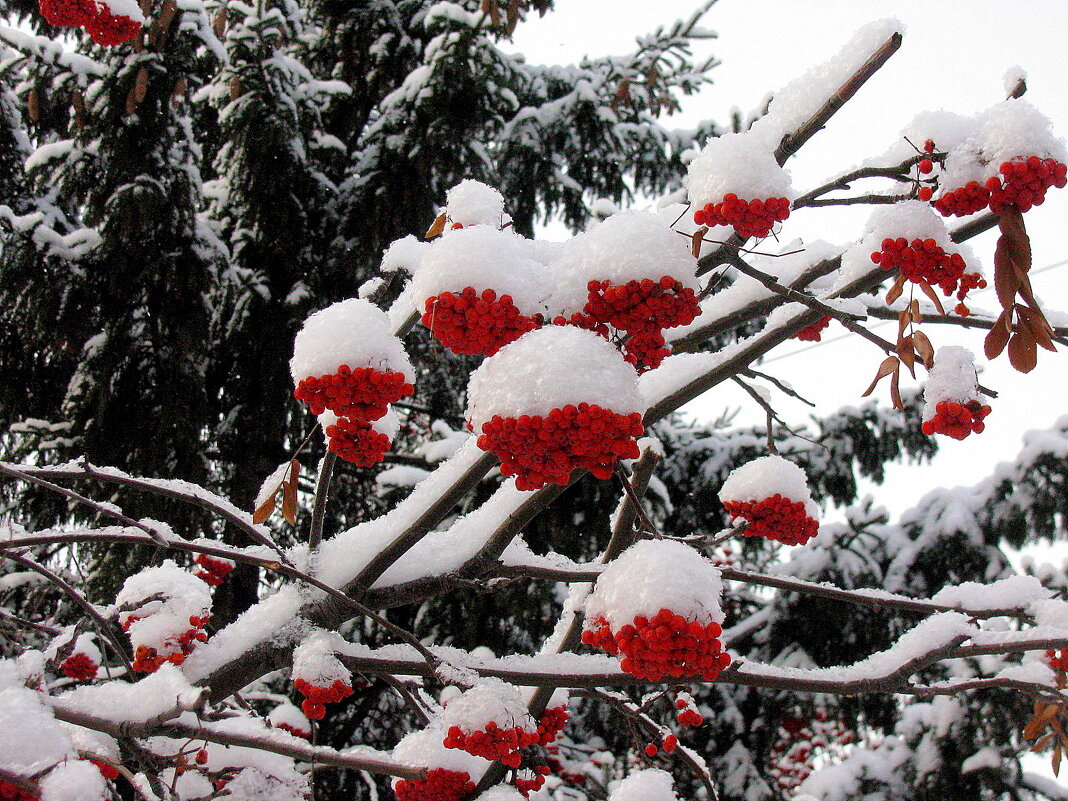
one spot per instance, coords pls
(776, 518)
(476, 323)
(671, 742)
(110, 29)
(925, 166)
(925, 193)
(651, 750)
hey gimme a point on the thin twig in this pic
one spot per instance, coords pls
(322, 491)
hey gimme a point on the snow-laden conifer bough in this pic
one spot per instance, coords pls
(586, 344)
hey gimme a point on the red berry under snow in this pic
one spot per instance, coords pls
(439, 785)
(775, 518)
(951, 395)
(957, 420)
(356, 441)
(541, 450)
(316, 698)
(360, 394)
(110, 29)
(754, 217)
(80, 667)
(552, 723)
(213, 570)
(640, 306)
(476, 323)
(1023, 183)
(921, 260)
(771, 494)
(9, 791)
(963, 200)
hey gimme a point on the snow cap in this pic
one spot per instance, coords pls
(493, 701)
(474, 203)
(427, 747)
(651, 784)
(740, 163)
(767, 476)
(404, 254)
(76, 780)
(631, 246)
(353, 332)
(657, 574)
(952, 378)
(548, 369)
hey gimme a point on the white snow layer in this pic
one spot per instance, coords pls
(474, 203)
(426, 747)
(76, 780)
(740, 163)
(651, 784)
(548, 369)
(766, 476)
(352, 332)
(657, 574)
(493, 701)
(952, 378)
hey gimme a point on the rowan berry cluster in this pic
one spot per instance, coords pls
(775, 518)
(964, 200)
(360, 394)
(552, 723)
(439, 785)
(814, 332)
(921, 261)
(536, 782)
(688, 714)
(957, 420)
(749, 217)
(1058, 660)
(316, 698)
(79, 666)
(968, 282)
(667, 645)
(356, 442)
(492, 743)
(103, 27)
(213, 569)
(798, 739)
(9, 791)
(148, 659)
(540, 450)
(294, 730)
(476, 323)
(1023, 183)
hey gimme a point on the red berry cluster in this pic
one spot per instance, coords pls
(968, 282)
(640, 306)
(9, 791)
(1023, 183)
(1058, 660)
(798, 739)
(294, 730)
(361, 394)
(688, 714)
(476, 323)
(148, 660)
(103, 27)
(493, 743)
(316, 698)
(109, 772)
(921, 261)
(749, 217)
(957, 420)
(666, 645)
(964, 200)
(79, 666)
(552, 723)
(355, 441)
(525, 786)
(814, 332)
(541, 450)
(439, 785)
(585, 322)
(775, 518)
(213, 571)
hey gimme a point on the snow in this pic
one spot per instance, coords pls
(651, 784)
(952, 378)
(501, 792)
(947, 130)
(657, 574)
(911, 219)
(631, 246)
(483, 258)
(157, 695)
(314, 660)
(491, 700)
(352, 332)
(986, 757)
(401, 476)
(739, 163)
(164, 598)
(288, 714)
(426, 747)
(404, 254)
(76, 780)
(1015, 129)
(125, 8)
(30, 738)
(271, 484)
(548, 369)
(473, 203)
(1015, 592)
(766, 476)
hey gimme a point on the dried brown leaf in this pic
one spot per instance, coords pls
(895, 391)
(264, 510)
(895, 291)
(924, 348)
(1011, 224)
(696, 240)
(932, 296)
(914, 311)
(289, 493)
(889, 365)
(907, 353)
(436, 228)
(1037, 325)
(998, 337)
(1040, 720)
(1043, 742)
(1023, 351)
(1057, 750)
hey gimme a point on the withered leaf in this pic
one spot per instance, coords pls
(914, 311)
(264, 510)
(998, 337)
(437, 227)
(289, 493)
(889, 365)
(1043, 742)
(1040, 720)
(1023, 351)
(1006, 281)
(932, 296)
(1037, 325)
(1011, 224)
(924, 348)
(907, 354)
(1057, 750)
(895, 391)
(696, 239)
(902, 322)
(895, 291)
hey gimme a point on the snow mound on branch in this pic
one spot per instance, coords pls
(911, 219)
(288, 714)
(947, 130)
(501, 792)
(404, 254)
(77, 780)
(491, 701)
(548, 369)
(30, 738)
(163, 598)
(314, 660)
(483, 258)
(657, 574)
(651, 784)
(474, 203)
(124, 8)
(352, 332)
(252, 784)
(625, 247)
(953, 378)
(1015, 129)
(767, 476)
(1014, 592)
(425, 747)
(738, 163)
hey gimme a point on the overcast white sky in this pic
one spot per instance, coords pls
(955, 56)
